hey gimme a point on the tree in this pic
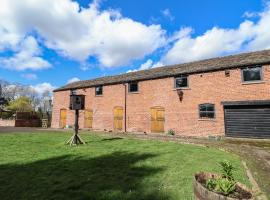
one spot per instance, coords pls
(21, 104)
(40, 100)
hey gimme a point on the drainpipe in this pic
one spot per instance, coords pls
(125, 114)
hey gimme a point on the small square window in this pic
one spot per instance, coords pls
(207, 111)
(73, 92)
(133, 87)
(181, 81)
(250, 74)
(99, 90)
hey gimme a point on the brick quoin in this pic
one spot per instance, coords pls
(181, 116)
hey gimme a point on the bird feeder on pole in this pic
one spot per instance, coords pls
(76, 103)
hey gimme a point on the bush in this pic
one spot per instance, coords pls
(226, 183)
(227, 170)
(225, 186)
(211, 184)
(171, 132)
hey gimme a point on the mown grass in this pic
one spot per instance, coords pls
(40, 166)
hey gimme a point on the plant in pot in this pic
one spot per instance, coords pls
(210, 186)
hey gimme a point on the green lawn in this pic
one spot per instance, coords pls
(40, 166)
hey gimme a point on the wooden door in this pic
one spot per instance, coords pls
(88, 118)
(118, 118)
(157, 119)
(63, 118)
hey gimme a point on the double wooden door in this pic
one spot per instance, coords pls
(88, 119)
(157, 119)
(118, 118)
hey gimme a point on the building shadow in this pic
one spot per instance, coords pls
(113, 176)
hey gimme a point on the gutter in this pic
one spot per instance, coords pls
(125, 113)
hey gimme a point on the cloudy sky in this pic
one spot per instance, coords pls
(48, 43)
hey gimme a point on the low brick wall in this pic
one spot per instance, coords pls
(7, 122)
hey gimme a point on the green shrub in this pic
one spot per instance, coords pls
(227, 170)
(225, 186)
(226, 183)
(171, 132)
(211, 184)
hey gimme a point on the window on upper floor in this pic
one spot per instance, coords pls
(133, 87)
(73, 92)
(99, 90)
(251, 74)
(206, 110)
(181, 81)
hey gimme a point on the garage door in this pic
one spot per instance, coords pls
(247, 121)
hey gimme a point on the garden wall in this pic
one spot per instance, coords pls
(7, 122)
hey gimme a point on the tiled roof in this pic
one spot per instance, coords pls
(214, 64)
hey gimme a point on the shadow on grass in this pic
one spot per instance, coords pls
(112, 177)
(112, 139)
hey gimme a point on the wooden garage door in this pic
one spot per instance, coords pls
(63, 118)
(247, 121)
(157, 119)
(118, 118)
(88, 118)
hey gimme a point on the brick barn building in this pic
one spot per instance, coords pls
(227, 95)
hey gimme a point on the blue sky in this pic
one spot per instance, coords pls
(48, 43)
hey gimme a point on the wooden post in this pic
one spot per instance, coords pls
(76, 139)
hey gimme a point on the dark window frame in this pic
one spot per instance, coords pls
(207, 112)
(134, 82)
(181, 76)
(249, 67)
(73, 92)
(101, 90)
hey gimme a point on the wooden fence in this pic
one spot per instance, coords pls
(27, 119)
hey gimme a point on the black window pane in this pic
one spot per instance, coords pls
(252, 74)
(202, 107)
(181, 82)
(210, 114)
(202, 114)
(73, 92)
(99, 90)
(210, 107)
(133, 87)
(207, 111)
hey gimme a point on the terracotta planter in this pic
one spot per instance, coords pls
(202, 193)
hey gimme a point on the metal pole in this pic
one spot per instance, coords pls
(76, 122)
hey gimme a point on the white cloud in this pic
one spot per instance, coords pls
(147, 65)
(26, 56)
(29, 76)
(72, 80)
(79, 33)
(43, 87)
(167, 14)
(249, 14)
(249, 36)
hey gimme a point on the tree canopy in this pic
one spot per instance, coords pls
(21, 104)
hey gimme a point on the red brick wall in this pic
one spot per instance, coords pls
(212, 87)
